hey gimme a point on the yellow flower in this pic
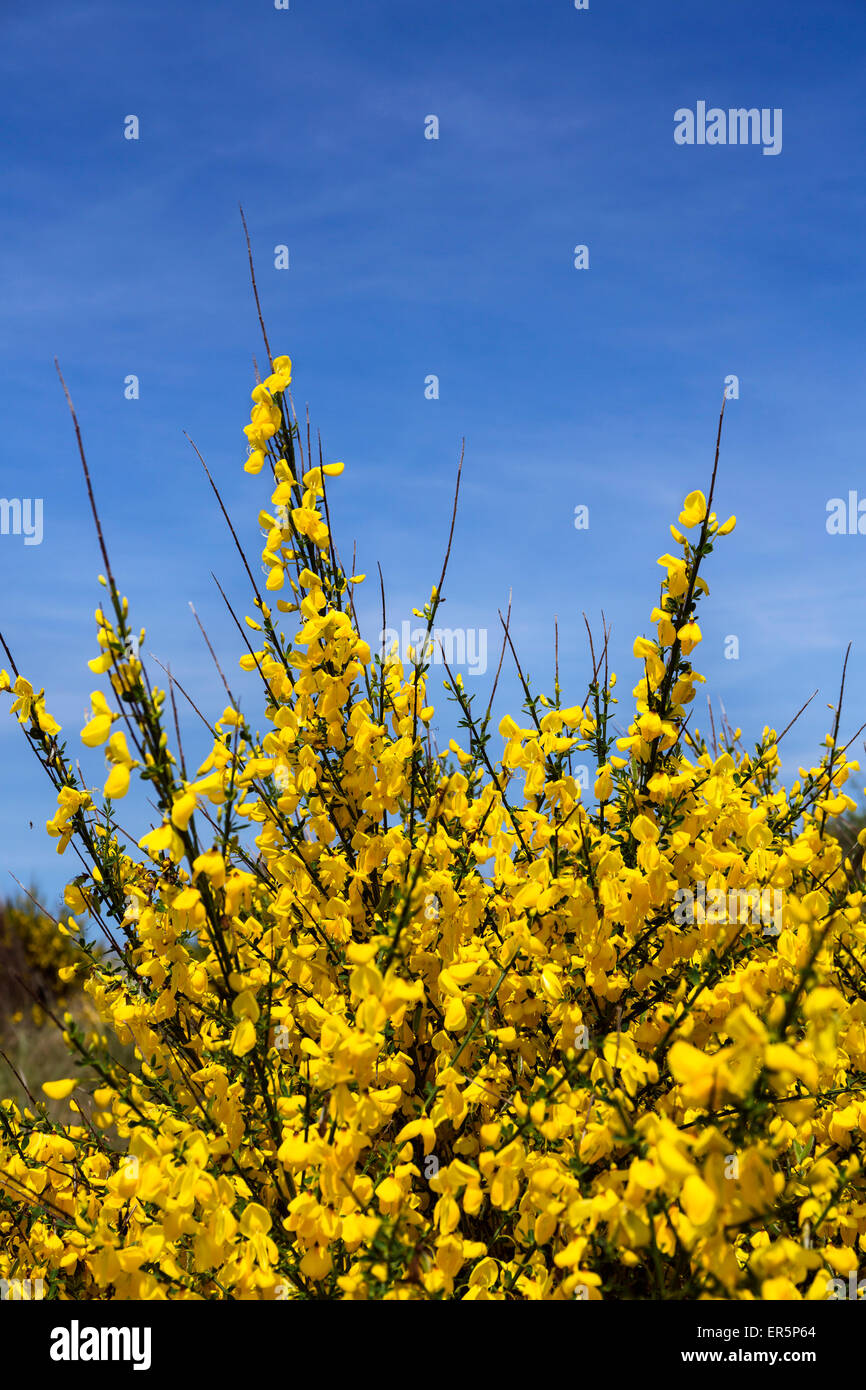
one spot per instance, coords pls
(117, 782)
(243, 1038)
(689, 635)
(694, 510)
(603, 783)
(698, 1200)
(59, 1090)
(98, 727)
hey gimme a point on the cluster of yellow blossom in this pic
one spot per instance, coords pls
(421, 1026)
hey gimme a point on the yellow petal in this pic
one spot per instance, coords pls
(255, 1221)
(59, 1090)
(96, 730)
(182, 810)
(243, 1038)
(117, 782)
(698, 1200)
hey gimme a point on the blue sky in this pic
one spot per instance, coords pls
(453, 257)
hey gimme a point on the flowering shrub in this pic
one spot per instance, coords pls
(36, 961)
(41, 971)
(422, 1026)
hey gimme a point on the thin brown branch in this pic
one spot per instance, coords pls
(505, 623)
(228, 523)
(453, 520)
(255, 288)
(109, 576)
(213, 656)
